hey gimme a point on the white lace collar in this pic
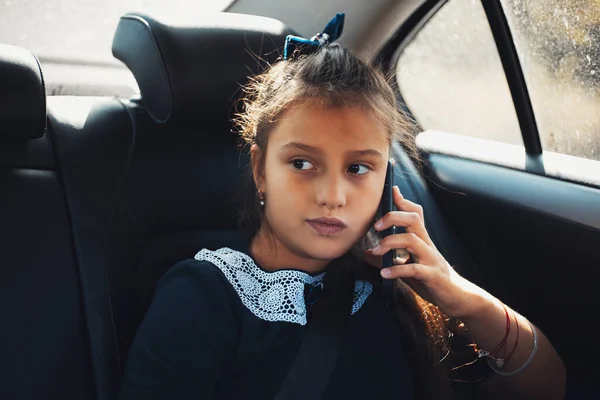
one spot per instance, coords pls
(272, 296)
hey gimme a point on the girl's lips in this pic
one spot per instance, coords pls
(324, 228)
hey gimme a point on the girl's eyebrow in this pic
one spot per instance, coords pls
(308, 148)
(301, 146)
(367, 152)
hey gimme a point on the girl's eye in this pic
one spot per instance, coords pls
(358, 169)
(302, 164)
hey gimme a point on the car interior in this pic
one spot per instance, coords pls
(102, 194)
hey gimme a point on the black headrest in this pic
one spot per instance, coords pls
(188, 71)
(22, 95)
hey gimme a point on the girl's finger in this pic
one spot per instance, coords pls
(406, 205)
(412, 221)
(420, 272)
(409, 241)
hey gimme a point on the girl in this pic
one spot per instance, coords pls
(228, 324)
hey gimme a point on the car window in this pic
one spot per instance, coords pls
(558, 43)
(451, 77)
(72, 31)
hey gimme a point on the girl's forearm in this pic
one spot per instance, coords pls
(542, 376)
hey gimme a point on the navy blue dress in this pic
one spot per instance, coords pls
(206, 336)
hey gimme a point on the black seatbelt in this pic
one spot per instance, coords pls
(323, 341)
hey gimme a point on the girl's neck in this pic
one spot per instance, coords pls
(272, 255)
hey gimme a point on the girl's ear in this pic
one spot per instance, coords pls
(257, 162)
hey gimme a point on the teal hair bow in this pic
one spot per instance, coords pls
(331, 32)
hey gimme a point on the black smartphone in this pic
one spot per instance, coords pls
(386, 206)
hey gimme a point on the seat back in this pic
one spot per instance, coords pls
(151, 181)
(43, 339)
(93, 139)
(184, 177)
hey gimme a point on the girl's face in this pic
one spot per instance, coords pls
(323, 178)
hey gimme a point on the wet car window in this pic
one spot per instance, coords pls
(452, 79)
(558, 43)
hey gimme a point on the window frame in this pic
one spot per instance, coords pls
(505, 46)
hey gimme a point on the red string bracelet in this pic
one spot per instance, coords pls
(504, 342)
(516, 340)
(495, 353)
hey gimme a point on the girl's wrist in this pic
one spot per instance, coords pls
(475, 304)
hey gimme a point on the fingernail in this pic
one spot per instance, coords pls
(376, 248)
(378, 224)
(399, 192)
(386, 272)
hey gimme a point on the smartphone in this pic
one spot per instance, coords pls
(386, 206)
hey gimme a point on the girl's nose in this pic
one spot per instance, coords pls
(332, 192)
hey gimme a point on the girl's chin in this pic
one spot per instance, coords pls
(326, 251)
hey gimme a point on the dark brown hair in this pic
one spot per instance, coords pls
(336, 78)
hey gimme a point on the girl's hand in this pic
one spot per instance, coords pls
(430, 275)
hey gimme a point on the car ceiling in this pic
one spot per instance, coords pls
(368, 23)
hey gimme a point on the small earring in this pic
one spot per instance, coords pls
(261, 197)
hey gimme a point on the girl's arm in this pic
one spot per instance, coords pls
(540, 373)
(485, 317)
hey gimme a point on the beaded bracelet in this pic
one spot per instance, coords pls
(522, 367)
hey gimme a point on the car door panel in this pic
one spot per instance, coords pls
(535, 241)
